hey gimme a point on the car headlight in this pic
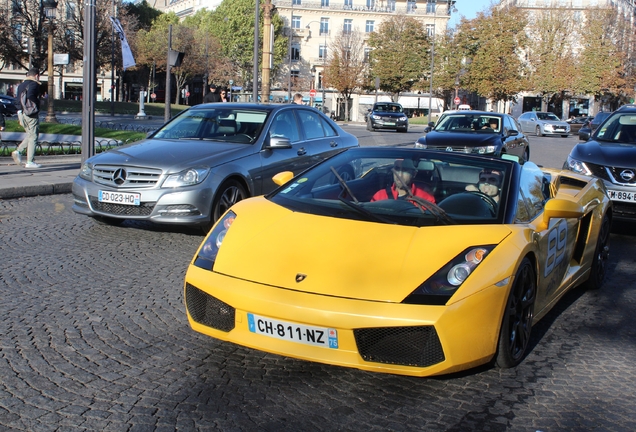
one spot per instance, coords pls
(421, 143)
(86, 172)
(547, 126)
(577, 166)
(212, 243)
(376, 117)
(440, 287)
(403, 118)
(188, 177)
(484, 149)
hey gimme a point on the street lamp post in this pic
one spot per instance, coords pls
(324, 59)
(430, 90)
(50, 9)
(311, 87)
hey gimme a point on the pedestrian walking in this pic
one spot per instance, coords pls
(224, 96)
(213, 96)
(298, 99)
(28, 102)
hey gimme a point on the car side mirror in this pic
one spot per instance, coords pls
(283, 177)
(561, 208)
(584, 136)
(278, 142)
(431, 124)
(512, 132)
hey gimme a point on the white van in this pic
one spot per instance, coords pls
(463, 108)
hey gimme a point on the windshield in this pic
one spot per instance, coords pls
(387, 107)
(619, 128)
(547, 116)
(215, 124)
(402, 186)
(469, 123)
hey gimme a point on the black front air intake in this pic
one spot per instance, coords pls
(407, 346)
(209, 311)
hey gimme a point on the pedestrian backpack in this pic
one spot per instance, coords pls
(28, 106)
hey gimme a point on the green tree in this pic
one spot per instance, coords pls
(494, 45)
(344, 69)
(399, 55)
(601, 63)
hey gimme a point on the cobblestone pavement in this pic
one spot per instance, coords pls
(93, 336)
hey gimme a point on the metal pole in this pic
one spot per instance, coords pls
(112, 65)
(324, 68)
(88, 90)
(255, 72)
(267, 48)
(430, 91)
(166, 112)
(289, 50)
(50, 110)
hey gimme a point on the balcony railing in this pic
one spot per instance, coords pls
(379, 7)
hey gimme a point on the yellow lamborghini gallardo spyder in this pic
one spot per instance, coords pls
(402, 261)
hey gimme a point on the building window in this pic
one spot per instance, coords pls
(324, 26)
(430, 7)
(295, 22)
(320, 80)
(296, 2)
(346, 54)
(430, 30)
(410, 6)
(295, 51)
(369, 27)
(324, 3)
(391, 5)
(348, 23)
(367, 52)
(322, 52)
(295, 75)
(70, 11)
(370, 4)
(348, 4)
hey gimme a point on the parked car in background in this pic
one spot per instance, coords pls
(577, 123)
(387, 115)
(207, 158)
(587, 130)
(543, 123)
(470, 132)
(610, 154)
(9, 103)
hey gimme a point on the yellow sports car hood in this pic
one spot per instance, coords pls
(271, 245)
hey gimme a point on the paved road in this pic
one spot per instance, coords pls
(93, 336)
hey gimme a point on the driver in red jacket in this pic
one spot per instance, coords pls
(404, 171)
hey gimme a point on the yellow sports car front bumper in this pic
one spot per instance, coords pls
(375, 336)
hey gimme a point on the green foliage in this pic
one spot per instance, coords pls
(400, 54)
(494, 44)
(144, 13)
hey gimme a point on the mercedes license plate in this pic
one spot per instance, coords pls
(119, 198)
(621, 196)
(308, 335)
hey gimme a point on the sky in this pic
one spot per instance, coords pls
(468, 9)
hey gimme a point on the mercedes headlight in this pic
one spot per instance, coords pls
(86, 172)
(440, 287)
(188, 177)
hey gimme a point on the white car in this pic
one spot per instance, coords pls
(543, 123)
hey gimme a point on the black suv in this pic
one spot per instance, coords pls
(610, 154)
(387, 115)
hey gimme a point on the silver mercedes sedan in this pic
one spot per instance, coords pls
(210, 156)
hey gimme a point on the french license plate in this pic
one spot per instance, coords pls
(119, 198)
(621, 196)
(308, 335)
(389, 123)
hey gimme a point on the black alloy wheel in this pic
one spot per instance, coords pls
(601, 257)
(514, 335)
